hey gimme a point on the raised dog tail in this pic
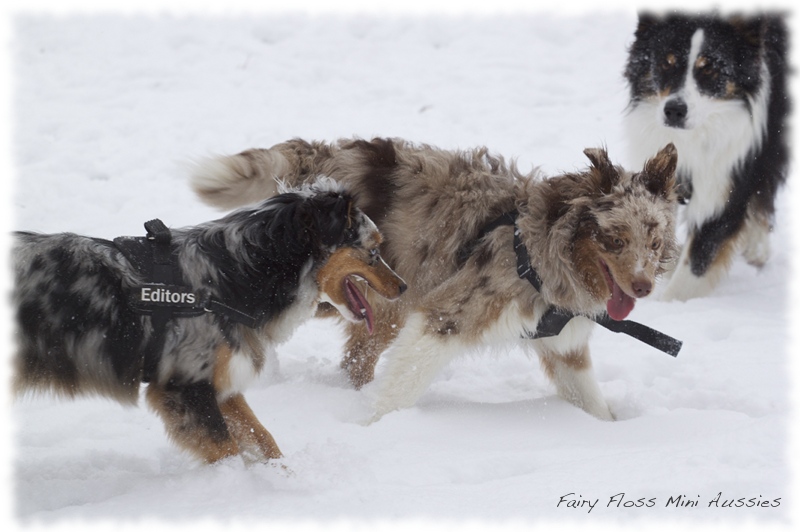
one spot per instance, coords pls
(248, 177)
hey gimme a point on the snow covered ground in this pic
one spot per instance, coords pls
(106, 111)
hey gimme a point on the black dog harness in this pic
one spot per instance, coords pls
(554, 318)
(164, 296)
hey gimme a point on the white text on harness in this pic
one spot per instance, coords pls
(164, 295)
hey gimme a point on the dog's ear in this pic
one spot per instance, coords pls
(333, 217)
(658, 175)
(751, 29)
(646, 21)
(604, 173)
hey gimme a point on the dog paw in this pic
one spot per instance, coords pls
(606, 415)
(372, 419)
(251, 460)
(757, 255)
(684, 286)
(755, 244)
(601, 411)
(677, 292)
(671, 295)
(281, 468)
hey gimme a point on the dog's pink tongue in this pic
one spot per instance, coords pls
(367, 314)
(359, 304)
(620, 304)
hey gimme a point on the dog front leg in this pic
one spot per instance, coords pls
(570, 369)
(361, 353)
(754, 237)
(709, 250)
(685, 284)
(572, 374)
(193, 419)
(412, 362)
(363, 349)
(255, 442)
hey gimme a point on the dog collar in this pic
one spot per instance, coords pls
(555, 319)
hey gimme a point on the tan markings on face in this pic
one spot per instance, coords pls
(358, 262)
(701, 62)
(585, 256)
(637, 265)
(671, 59)
(629, 268)
(663, 93)
(632, 257)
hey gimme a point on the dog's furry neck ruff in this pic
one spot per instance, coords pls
(555, 319)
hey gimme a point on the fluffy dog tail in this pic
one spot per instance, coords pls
(253, 175)
(234, 180)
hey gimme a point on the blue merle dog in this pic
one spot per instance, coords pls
(87, 310)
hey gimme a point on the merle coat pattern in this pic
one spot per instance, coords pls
(78, 333)
(598, 239)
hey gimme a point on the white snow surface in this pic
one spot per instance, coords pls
(108, 109)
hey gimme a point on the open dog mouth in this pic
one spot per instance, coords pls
(620, 304)
(340, 283)
(358, 304)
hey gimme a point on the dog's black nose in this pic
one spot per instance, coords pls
(402, 288)
(675, 112)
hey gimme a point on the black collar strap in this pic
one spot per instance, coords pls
(218, 307)
(555, 319)
(507, 218)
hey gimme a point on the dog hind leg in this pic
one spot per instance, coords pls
(193, 419)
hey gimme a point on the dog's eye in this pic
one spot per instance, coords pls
(656, 244)
(704, 63)
(706, 67)
(374, 252)
(617, 244)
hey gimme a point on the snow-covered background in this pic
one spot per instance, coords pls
(107, 109)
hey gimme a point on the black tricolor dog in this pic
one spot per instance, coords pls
(715, 86)
(86, 310)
